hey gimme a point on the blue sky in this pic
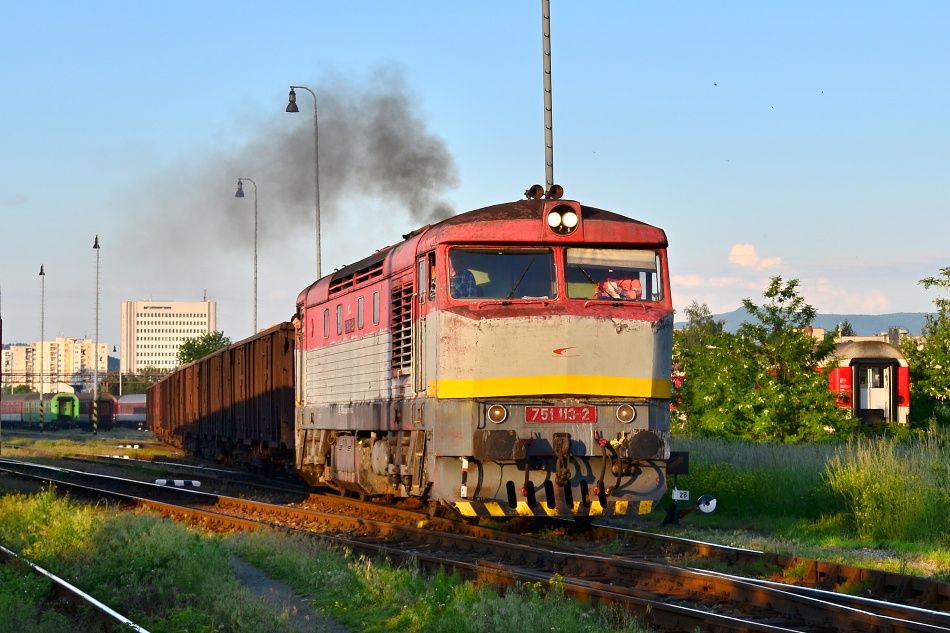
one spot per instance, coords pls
(806, 139)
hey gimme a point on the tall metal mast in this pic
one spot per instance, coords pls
(548, 107)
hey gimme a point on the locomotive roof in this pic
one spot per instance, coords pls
(521, 221)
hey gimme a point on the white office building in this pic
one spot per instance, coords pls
(152, 331)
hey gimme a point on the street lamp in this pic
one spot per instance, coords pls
(114, 350)
(292, 107)
(240, 194)
(95, 354)
(42, 336)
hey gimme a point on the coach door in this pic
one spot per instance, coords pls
(874, 392)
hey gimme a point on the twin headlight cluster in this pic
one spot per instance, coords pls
(498, 413)
(563, 219)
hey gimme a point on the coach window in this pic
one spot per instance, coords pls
(376, 308)
(339, 318)
(326, 323)
(359, 313)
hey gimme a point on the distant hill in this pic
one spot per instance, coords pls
(863, 324)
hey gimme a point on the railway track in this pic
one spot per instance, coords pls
(817, 574)
(69, 593)
(633, 543)
(672, 598)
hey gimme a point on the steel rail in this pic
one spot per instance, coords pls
(71, 591)
(577, 565)
(818, 574)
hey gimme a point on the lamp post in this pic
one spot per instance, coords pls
(42, 336)
(292, 107)
(114, 350)
(95, 354)
(240, 194)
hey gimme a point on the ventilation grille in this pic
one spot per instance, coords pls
(402, 328)
(355, 278)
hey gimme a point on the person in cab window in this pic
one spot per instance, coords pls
(622, 288)
(463, 284)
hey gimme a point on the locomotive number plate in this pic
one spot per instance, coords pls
(560, 414)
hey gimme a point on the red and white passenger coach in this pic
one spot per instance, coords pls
(872, 380)
(512, 360)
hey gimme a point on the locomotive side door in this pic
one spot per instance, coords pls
(425, 275)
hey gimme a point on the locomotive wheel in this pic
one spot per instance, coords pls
(435, 509)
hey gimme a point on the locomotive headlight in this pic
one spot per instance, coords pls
(626, 413)
(563, 219)
(497, 413)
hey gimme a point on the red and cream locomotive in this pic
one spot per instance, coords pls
(512, 360)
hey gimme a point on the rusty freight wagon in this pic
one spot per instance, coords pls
(235, 406)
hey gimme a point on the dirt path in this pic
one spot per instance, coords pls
(285, 602)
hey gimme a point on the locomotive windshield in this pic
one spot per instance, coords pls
(500, 273)
(612, 274)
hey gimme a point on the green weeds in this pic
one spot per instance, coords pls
(165, 577)
(379, 597)
(886, 496)
(895, 490)
(172, 579)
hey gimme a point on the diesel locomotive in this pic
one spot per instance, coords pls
(513, 360)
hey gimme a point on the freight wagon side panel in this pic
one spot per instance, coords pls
(242, 396)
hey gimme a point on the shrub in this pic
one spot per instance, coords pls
(895, 490)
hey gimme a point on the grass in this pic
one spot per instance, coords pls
(895, 491)
(72, 442)
(375, 597)
(871, 502)
(167, 578)
(172, 579)
(22, 599)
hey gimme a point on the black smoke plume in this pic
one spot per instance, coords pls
(373, 143)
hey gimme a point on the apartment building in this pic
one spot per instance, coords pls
(66, 361)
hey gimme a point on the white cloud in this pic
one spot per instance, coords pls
(743, 255)
(746, 256)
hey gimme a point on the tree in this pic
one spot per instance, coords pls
(194, 348)
(690, 341)
(929, 358)
(139, 382)
(21, 389)
(700, 326)
(845, 328)
(765, 382)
